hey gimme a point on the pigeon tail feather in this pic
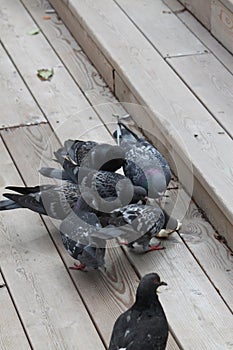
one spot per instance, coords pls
(8, 204)
(54, 173)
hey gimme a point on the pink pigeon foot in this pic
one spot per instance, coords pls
(76, 266)
(155, 247)
(123, 243)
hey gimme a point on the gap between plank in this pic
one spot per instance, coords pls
(66, 68)
(16, 310)
(67, 269)
(196, 95)
(25, 83)
(203, 42)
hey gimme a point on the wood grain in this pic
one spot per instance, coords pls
(162, 28)
(170, 103)
(200, 237)
(207, 39)
(33, 52)
(200, 9)
(78, 64)
(198, 316)
(46, 299)
(12, 335)
(85, 41)
(17, 104)
(174, 5)
(222, 24)
(211, 82)
(106, 294)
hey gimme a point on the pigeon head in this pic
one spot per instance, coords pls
(146, 291)
(105, 157)
(139, 194)
(155, 182)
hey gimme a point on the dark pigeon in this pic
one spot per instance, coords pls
(83, 236)
(140, 223)
(145, 166)
(92, 155)
(144, 326)
(54, 201)
(105, 183)
(76, 232)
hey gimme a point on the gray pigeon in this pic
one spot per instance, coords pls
(92, 155)
(144, 326)
(145, 166)
(139, 224)
(76, 232)
(83, 236)
(54, 201)
(105, 183)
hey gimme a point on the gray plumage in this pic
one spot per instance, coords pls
(106, 184)
(144, 326)
(92, 155)
(76, 232)
(83, 236)
(140, 223)
(144, 165)
(54, 201)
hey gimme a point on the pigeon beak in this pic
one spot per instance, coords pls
(163, 284)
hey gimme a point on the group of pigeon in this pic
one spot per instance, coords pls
(95, 204)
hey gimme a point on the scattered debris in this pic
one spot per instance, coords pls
(45, 74)
(46, 17)
(34, 31)
(220, 238)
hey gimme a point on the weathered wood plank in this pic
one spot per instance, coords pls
(198, 316)
(207, 39)
(174, 5)
(106, 294)
(161, 27)
(17, 104)
(33, 52)
(211, 82)
(200, 237)
(12, 335)
(85, 41)
(78, 64)
(199, 192)
(200, 9)
(222, 24)
(170, 103)
(47, 301)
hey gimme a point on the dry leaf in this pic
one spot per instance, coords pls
(34, 31)
(45, 74)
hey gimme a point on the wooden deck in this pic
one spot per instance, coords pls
(44, 305)
(152, 66)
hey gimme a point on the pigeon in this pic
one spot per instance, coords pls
(144, 325)
(92, 155)
(76, 232)
(105, 183)
(144, 166)
(140, 223)
(83, 236)
(54, 201)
